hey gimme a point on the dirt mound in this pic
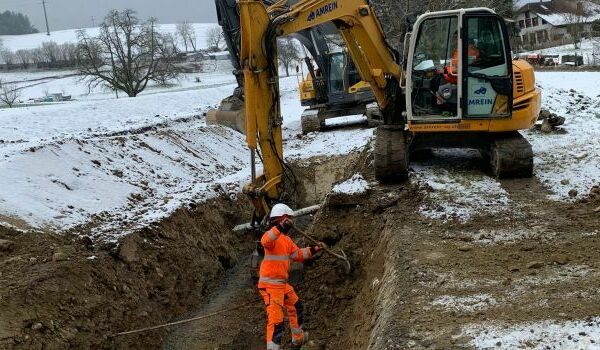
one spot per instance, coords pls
(59, 291)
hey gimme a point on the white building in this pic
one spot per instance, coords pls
(548, 22)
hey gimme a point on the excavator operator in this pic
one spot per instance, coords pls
(273, 285)
(451, 72)
(447, 92)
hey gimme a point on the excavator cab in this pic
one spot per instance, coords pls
(459, 67)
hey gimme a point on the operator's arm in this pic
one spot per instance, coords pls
(268, 238)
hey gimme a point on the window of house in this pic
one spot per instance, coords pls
(535, 22)
(528, 22)
(539, 36)
(521, 24)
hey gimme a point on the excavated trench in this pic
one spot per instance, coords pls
(62, 291)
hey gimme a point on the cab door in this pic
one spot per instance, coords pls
(433, 84)
(487, 72)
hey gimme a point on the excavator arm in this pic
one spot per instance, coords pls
(260, 27)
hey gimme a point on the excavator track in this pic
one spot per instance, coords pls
(511, 156)
(391, 156)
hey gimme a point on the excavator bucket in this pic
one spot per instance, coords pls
(230, 113)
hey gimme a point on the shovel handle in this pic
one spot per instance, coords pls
(326, 249)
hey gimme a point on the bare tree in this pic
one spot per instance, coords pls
(37, 56)
(9, 93)
(8, 57)
(393, 13)
(288, 53)
(576, 16)
(68, 54)
(51, 51)
(214, 39)
(187, 35)
(167, 70)
(126, 55)
(24, 58)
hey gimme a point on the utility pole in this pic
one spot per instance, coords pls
(46, 16)
(93, 22)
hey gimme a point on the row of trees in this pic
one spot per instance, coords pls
(14, 23)
(53, 55)
(48, 55)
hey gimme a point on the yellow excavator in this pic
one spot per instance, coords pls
(457, 87)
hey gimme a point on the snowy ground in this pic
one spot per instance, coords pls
(37, 191)
(550, 334)
(32, 41)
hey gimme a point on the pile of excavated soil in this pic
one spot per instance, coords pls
(60, 291)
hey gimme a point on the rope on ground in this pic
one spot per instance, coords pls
(170, 324)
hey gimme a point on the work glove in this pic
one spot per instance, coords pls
(285, 225)
(317, 248)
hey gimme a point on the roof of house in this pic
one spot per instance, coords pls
(557, 14)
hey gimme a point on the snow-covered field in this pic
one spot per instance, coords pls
(127, 162)
(32, 41)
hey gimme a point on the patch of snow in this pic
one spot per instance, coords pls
(548, 334)
(346, 120)
(354, 185)
(460, 194)
(468, 304)
(507, 236)
(93, 257)
(521, 3)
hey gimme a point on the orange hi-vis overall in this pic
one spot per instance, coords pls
(274, 289)
(451, 74)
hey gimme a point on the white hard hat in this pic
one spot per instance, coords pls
(280, 210)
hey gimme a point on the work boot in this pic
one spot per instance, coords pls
(297, 343)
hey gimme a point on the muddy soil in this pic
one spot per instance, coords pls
(60, 292)
(419, 283)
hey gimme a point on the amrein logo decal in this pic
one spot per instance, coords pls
(322, 11)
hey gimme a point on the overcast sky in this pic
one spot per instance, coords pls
(67, 14)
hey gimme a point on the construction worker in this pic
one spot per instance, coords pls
(473, 54)
(272, 284)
